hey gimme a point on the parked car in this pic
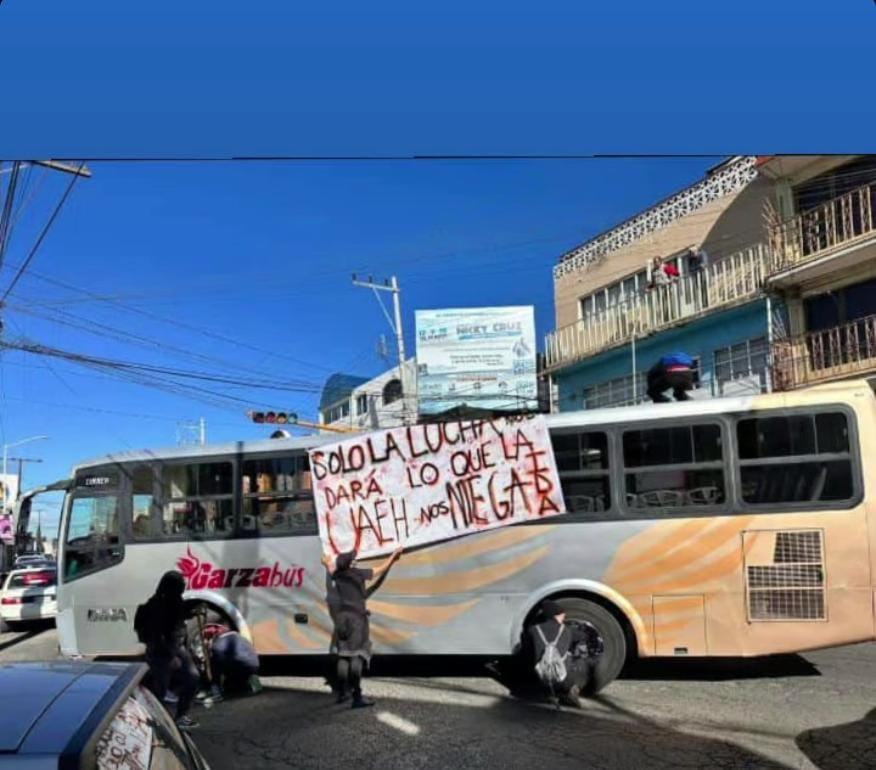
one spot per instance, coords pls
(90, 716)
(29, 594)
(32, 560)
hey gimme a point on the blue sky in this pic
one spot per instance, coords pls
(195, 257)
(134, 79)
(261, 252)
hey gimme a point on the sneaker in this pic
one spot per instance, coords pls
(213, 695)
(342, 697)
(186, 723)
(361, 703)
(171, 697)
(572, 698)
(254, 684)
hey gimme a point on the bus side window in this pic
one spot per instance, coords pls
(278, 496)
(197, 500)
(677, 467)
(582, 464)
(797, 458)
(142, 502)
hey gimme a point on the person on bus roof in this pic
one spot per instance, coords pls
(352, 634)
(160, 624)
(675, 371)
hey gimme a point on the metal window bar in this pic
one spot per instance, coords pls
(834, 353)
(835, 223)
(734, 279)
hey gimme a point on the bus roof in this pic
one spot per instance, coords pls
(842, 391)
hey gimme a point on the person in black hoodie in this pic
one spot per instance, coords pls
(164, 633)
(352, 586)
(553, 629)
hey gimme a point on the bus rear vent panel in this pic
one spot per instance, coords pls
(784, 575)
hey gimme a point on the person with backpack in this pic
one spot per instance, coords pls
(160, 624)
(675, 371)
(549, 646)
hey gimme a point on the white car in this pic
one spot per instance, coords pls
(29, 594)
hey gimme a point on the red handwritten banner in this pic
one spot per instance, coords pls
(425, 483)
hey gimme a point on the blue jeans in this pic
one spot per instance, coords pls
(183, 680)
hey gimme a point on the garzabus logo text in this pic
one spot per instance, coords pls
(200, 575)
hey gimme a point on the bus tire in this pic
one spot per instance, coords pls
(612, 660)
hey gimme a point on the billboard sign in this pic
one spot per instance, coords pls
(478, 357)
(8, 491)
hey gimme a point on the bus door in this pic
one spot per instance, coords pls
(94, 613)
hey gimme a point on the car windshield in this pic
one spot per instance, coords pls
(142, 735)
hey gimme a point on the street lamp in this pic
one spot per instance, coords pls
(7, 447)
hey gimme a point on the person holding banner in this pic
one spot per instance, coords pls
(353, 586)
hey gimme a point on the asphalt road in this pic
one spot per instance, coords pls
(817, 710)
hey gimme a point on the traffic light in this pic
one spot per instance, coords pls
(273, 418)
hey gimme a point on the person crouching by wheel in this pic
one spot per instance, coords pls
(352, 634)
(234, 663)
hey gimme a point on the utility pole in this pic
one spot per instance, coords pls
(21, 461)
(202, 425)
(391, 285)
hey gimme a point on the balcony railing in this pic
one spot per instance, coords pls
(733, 280)
(831, 354)
(813, 234)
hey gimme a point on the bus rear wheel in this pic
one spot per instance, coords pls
(614, 655)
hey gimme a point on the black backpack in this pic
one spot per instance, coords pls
(141, 622)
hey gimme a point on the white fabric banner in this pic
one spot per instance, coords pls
(424, 483)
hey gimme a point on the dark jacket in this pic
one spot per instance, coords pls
(165, 626)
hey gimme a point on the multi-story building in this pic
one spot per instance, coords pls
(785, 297)
(613, 323)
(362, 404)
(823, 248)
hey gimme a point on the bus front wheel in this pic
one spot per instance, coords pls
(611, 661)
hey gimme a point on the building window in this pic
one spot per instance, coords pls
(338, 412)
(616, 392)
(834, 184)
(362, 404)
(392, 391)
(679, 467)
(743, 360)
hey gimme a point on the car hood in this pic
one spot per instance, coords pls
(48, 700)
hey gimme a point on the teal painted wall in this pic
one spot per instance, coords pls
(699, 339)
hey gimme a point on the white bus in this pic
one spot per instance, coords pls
(722, 527)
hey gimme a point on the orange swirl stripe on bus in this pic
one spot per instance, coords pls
(681, 554)
(421, 614)
(696, 581)
(674, 534)
(389, 636)
(686, 558)
(301, 639)
(494, 541)
(466, 580)
(266, 638)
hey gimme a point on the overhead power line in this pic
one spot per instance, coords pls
(42, 235)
